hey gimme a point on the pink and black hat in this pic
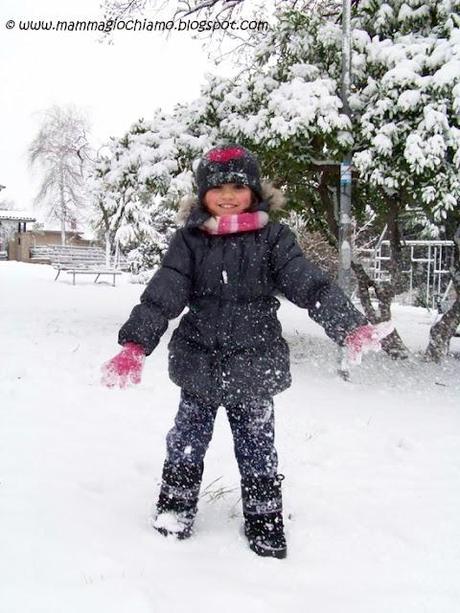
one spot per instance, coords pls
(228, 164)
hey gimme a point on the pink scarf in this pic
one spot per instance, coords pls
(229, 224)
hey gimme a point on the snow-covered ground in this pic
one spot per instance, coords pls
(372, 488)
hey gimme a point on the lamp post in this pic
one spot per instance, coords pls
(345, 242)
(345, 247)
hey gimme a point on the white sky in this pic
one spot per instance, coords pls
(115, 84)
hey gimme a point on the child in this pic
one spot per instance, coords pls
(225, 265)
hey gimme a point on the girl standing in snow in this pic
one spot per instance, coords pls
(225, 265)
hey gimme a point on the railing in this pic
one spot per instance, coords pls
(428, 264)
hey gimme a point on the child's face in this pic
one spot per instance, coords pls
(228, 199)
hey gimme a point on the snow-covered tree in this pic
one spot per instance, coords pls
(140, 178)
(407, 102)
(61, 149)
(285, 105)
(404, 126)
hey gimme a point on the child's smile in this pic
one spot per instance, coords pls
(228, 199)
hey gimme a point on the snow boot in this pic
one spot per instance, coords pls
(263, 515)
(177, 503)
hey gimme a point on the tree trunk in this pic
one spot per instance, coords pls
(394, 235)
(444, 329)
(62, 207)
(328, 205)
(392, 344)
(385, 291)
(117, 253)
(107, 249)
(442, 332)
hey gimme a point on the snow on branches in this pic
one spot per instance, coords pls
(139, 177)
(407, 100)
(285, 105)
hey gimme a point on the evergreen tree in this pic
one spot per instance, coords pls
(138, 182)
(404, 129)
(285, 105)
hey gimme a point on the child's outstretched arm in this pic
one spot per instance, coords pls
(304, 284)
(366, 338)
(164, 298)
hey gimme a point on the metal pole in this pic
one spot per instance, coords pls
(345, 248)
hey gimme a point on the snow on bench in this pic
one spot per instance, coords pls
(75, 260)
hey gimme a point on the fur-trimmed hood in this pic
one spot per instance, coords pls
(273, 200)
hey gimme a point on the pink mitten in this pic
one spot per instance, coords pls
(366, 338)
(125, 368)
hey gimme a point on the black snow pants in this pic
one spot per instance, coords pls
(252, 425)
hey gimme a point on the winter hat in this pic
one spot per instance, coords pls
(228, 164)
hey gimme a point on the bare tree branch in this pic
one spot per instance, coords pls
(61, 151)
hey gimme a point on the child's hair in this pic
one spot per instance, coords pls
(228, 164)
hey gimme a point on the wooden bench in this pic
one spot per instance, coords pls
(78, 265)
(76, 260)
(67, 254)
(87, 271)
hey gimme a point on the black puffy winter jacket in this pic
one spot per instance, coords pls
(228, 346)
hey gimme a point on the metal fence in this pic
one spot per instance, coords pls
(426, 263)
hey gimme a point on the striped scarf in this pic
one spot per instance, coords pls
(229, 224)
